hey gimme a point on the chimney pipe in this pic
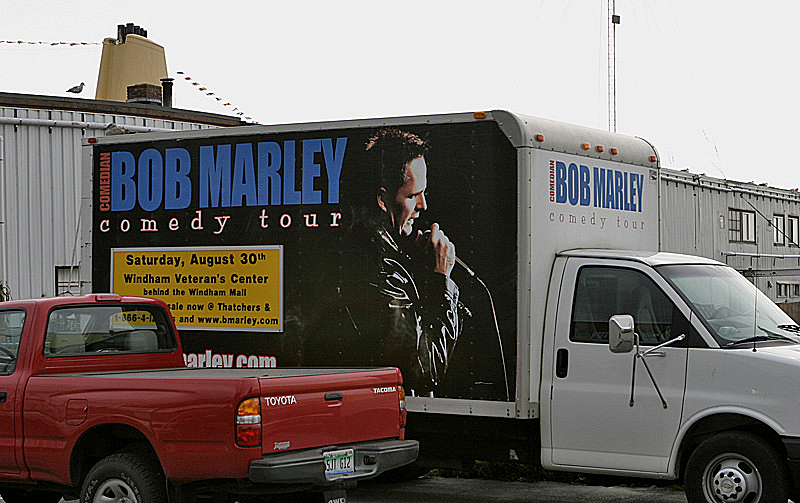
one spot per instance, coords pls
(166, 94)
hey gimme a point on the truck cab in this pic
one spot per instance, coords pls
(652, 361)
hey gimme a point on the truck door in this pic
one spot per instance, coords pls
(593, 423)
(11, 323)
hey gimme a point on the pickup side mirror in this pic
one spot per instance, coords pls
(620, 333)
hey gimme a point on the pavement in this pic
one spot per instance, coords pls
(439, 490)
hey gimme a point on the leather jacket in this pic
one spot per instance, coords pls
(391, 309)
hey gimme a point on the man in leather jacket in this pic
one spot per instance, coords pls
(397, 304)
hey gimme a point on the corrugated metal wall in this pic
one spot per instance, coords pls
(695, 212)
(41, 171)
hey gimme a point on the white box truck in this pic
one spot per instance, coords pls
(509, 265)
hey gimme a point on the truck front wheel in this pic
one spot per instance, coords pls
(736, 467)
(124, 477)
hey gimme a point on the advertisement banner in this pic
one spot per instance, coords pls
(207, 288)
(354, 232)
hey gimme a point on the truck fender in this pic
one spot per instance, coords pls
(102, 439)
(744, 415)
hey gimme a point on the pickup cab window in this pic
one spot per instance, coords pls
(603, 292)
(129, 328)
(11, 323)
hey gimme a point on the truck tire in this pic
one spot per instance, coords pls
(124, 477)
(736, 467)
(13, 495)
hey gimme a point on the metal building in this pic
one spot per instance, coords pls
(40, 180)
(753, 228)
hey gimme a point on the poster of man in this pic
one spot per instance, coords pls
(397, 246)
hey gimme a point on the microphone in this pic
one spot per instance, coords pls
(466, 267)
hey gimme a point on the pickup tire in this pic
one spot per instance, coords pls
(127, 477)
(13, 495)
(736, 467)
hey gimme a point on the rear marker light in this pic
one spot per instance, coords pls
(540, 137)
(401, 396)
(653, 158)
(586, 146)
(614, 151)
(248, 423)
(599, 148)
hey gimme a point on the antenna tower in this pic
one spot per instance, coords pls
(613, 21)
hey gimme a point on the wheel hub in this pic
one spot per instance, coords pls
(732, 479)
(115, 491)
(730, 484)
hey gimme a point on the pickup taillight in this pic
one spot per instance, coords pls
(401, 395)
(248, 423)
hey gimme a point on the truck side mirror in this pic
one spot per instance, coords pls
(620, 333)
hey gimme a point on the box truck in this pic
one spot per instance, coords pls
(508, 265)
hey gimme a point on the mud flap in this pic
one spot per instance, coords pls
(335, 496)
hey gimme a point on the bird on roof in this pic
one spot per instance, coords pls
(76, 89)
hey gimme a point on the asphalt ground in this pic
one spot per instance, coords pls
(439, 489)
(445, 489)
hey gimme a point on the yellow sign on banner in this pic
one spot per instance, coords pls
(207, 288)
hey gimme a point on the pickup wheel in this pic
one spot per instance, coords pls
(736, 467)
(124, 477)
(26, 496)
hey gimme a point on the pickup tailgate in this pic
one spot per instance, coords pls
(326, 407)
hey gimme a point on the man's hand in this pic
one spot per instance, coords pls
(444, 251)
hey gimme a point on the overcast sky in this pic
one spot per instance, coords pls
(712, 83)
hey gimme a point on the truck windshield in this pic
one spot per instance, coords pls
(730, 306)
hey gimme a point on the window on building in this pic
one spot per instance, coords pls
(778, 230)
(742, 225)
(793, 230)
(794, 291)
(782, 289)
(67, 281)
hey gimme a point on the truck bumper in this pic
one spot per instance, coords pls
(792, 446)
(308, 467)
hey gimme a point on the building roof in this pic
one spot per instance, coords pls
(14, 100)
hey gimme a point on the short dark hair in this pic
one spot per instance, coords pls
(391, 149)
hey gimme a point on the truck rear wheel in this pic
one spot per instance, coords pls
(13, 495)
(736, 467)
(124, 477)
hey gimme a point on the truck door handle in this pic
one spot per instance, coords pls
(3, 396)
(562, 363)
(333, 396)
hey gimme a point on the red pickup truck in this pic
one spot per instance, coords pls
(93, 404)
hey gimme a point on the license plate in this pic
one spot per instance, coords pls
(339, 462)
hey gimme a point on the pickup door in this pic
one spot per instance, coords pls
(593, 424)
(11, 324)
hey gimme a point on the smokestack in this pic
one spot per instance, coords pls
(123, 30)
(166, 94)
(129, 59)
